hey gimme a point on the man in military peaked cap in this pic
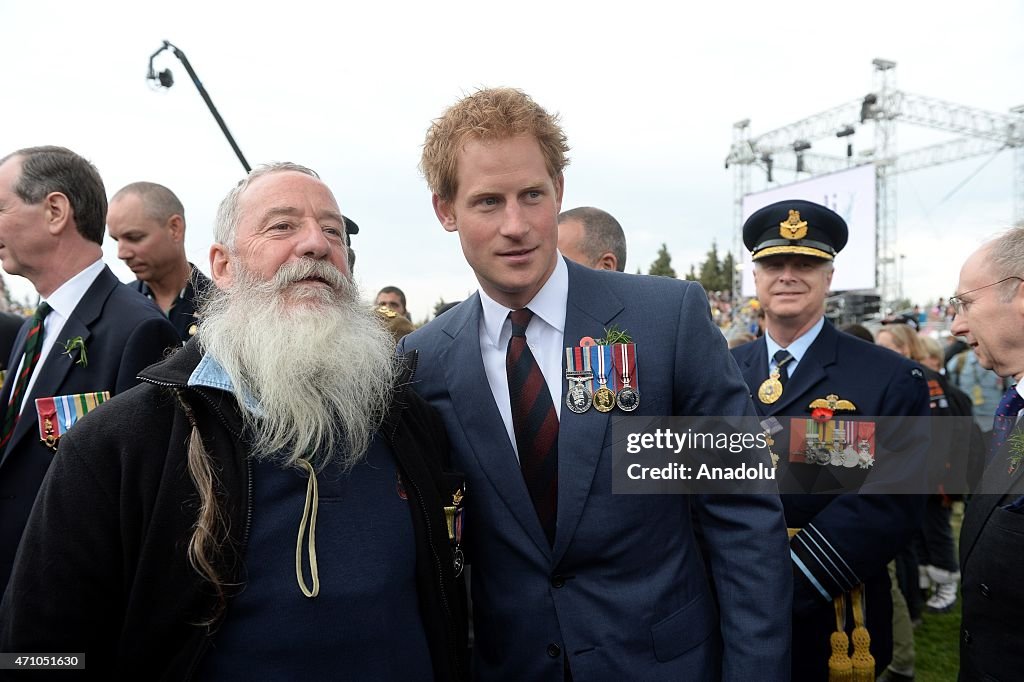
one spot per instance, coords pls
(795, 227)
(841, 543)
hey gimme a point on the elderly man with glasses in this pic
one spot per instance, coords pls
(990, 316)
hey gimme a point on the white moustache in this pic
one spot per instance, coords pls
(307, 268)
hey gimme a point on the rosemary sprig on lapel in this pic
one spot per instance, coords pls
(614, 335)
(1016, 441)
(73, 344)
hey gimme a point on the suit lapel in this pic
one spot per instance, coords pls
(978, 510)
(54, 372)
(12, 363)
(590, 308)
(51, 378)
(997, 482)
(481, 422)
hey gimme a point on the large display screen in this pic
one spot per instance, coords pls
(851, 194)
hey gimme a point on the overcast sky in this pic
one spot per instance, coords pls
(647, 92)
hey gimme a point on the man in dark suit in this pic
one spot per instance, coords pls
(147, 221)
(990, 316)
(571, 581)
(90, 333)
(804, 366)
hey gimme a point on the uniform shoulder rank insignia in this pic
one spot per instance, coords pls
(794, 228)
(57, 414)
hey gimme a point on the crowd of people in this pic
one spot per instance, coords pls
(257, 475)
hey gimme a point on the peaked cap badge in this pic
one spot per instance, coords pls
(794, 228)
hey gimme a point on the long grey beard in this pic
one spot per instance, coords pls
(318, 362)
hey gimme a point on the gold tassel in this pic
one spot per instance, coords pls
(863, 661)
(840, 667)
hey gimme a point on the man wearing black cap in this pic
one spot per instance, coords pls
(806, 378)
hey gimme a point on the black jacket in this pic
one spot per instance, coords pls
(108, 574)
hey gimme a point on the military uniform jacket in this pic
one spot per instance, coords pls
(846, 539)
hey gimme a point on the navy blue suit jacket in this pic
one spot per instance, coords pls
(848, 539)
(624, 591)
(123, 333)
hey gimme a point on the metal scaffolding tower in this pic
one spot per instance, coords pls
(787, 148)
(885, 113)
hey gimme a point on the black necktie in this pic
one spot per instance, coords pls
(534, 422)
(782, 358)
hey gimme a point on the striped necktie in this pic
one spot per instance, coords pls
(30, 358)
(534, 422)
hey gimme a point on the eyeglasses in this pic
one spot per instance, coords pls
(960, 305)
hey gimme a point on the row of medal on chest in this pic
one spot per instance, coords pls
(602, 376)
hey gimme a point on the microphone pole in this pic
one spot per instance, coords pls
(202, 92)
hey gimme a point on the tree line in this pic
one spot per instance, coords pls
(713, 273)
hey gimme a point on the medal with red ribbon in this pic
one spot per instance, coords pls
(578, 373)
(57, 414)
(628, 398)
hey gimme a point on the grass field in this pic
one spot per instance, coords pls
(937, 647)
(937, 639)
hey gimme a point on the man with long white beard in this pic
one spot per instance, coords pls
(270, 502)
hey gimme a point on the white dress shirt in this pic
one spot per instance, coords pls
(63, 302)
(543, 336)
